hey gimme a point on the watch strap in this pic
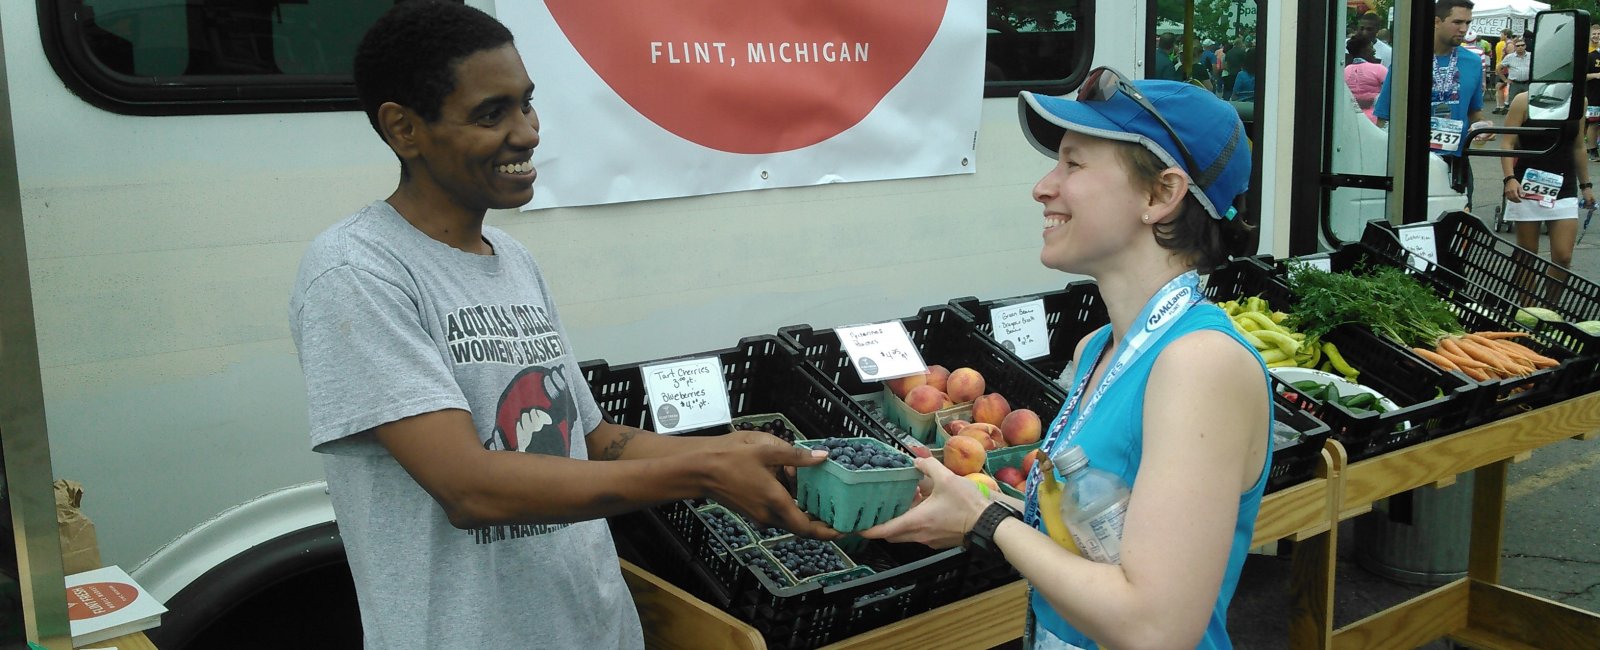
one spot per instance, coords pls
(981, 537)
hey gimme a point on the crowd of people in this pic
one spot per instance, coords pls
(1228, 69)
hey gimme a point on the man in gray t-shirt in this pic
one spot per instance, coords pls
(460, 441)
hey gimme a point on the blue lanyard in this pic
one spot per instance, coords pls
(1159, 314)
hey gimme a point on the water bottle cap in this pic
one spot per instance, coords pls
(1069, 458)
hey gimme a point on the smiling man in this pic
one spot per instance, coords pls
(468, 464)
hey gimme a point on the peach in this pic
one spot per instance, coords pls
(1021, 427)
(954, 427)
(990, 409)
(1029, 460)
(937, 377)
(901, 386)
(1011, 476)
(984, 479)
(964, 385)
(988, 433)
(964, 455)
(925, 399)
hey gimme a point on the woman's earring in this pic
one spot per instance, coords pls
(1145, 218)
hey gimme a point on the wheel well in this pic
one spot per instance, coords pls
(292, 591)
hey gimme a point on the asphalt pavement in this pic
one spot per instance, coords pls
(1552, 531)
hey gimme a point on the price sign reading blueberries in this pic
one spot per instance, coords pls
(1445, 134)
(686, 395)
(1541, 186)
(1020, 328)
(1418, 239)
(881, 350)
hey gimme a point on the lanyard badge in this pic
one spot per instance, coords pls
(1164, 308)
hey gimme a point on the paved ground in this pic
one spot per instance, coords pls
(1552, 533)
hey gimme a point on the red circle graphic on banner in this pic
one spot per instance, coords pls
(750, 77)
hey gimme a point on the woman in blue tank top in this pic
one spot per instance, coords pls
(1167, 396)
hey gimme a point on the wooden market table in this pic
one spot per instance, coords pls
(1475, 611)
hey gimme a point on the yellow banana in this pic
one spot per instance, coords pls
(1050, 496)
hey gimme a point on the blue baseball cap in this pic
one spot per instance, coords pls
(1210, 129)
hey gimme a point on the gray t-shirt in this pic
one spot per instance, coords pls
(391, 323)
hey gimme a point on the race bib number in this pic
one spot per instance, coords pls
(1445, 134)
(1591, 112)
(1541, 186)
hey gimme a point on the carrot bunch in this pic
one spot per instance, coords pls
(1486, 355)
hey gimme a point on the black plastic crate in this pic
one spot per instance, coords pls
(763, 375)
(1298, 462)
(907, 579)
(1432, 402)
(942, 337)
(1471, 253)
(1070, 314)
(1479, 309)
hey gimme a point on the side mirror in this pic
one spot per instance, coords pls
(1559, 55)
(1558, 47)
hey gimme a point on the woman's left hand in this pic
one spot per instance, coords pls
(950, 507)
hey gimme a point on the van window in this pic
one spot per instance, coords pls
(167, 57)
(1038, 45)
(208, 56)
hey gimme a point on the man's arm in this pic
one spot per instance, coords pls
(478, 487)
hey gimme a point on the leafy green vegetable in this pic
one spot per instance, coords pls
(1385, 299)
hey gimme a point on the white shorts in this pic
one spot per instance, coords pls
(1530, 210)
(1044, 640)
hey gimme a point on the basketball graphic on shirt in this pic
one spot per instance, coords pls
(535, 414)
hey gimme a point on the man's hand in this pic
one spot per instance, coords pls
(743, 470)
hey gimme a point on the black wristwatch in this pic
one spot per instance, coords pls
(1508, 178)
(981, 537)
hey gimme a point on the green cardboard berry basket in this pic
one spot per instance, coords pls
(855, 500)
(767, 547)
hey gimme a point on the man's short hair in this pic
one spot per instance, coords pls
(1442, 8)
(409, 55)
(1370, 17)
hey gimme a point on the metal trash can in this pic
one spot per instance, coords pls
(1418, 537)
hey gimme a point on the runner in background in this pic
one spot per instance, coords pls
(1544, 189)
(1457, 97)
(1592, 92)
(1502, 97)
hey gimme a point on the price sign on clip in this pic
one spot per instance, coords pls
(1321, 264)
(881, 350)
(1020, 328)
(1418, 240)
(686, 395)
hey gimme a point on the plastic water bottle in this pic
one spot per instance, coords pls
(1094, 505)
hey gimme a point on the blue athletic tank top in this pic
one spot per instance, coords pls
(1113, 438)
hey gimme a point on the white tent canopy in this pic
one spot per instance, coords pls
(1491, 16)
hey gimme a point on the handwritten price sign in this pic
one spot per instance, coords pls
(1020, 328)
(687, 395)
(881, 350)
(1418, 239)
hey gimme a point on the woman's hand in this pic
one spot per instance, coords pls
(1512, 190)
(949, 508)
(1588, 197)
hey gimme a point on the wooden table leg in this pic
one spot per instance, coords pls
(1488, 521)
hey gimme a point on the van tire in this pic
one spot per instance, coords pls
(294, 591)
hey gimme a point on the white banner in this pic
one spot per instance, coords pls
(648, 99)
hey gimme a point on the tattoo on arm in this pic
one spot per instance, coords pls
(613, 451)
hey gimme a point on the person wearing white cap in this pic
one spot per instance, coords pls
(1168, 396)
(1457, 97)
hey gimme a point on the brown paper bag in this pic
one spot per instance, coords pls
(80, 551)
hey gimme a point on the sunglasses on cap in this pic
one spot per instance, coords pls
(1103, 83)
